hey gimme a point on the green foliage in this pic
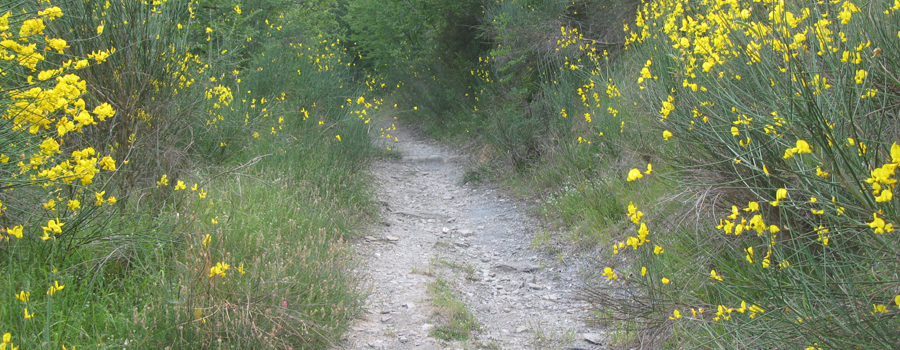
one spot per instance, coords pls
(221, 175)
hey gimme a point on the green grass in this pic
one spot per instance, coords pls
(455, 322)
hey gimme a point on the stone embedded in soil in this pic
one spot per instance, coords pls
(593, 338)
(466, 232)
(516, 267)
(392, 238)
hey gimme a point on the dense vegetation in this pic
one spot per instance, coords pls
(182, 173)
(731, 163)
(178, 174)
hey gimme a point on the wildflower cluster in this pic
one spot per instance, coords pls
(40, 117)
(784, 102)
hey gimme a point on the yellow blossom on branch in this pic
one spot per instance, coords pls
(219, 269)
(634, 174)
(55, 288)
(15, 231)
(23, 296)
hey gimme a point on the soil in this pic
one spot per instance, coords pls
(477, 239)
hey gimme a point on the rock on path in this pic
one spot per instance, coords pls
(474, 238)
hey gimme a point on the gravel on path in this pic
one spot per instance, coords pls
(476, 238)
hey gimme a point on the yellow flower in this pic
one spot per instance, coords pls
(108, 163)
(780, 194)
(28, 315)
(55, 288)
(50, 205)
(879, 309)
(634, 214)
(879, 225)
(665, 280)
(31, 27)
(15, 231)
(634, 174)
(752, 206)
(649, 169)
(338, 137)
(51, 12)
(675, 315)
(219, 269)
(23, 296)
(714, 275)
(847, 10)
(240, 269)
(180, 185)
(53, 226)
(658, 250)
(885, 196)
(99, 196)
(735, 212)
(666, 135)
(610, 274)
(860, 76)
(100, 29)
(644, 273)
(802, 147)
(103, 111)
(895, 153)
(57, 44)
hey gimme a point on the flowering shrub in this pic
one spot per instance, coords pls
(52, 182)
(783, 109)
(108, 110)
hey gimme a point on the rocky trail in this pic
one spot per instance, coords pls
(438, 234)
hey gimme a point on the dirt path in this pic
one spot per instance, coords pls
(476, 241)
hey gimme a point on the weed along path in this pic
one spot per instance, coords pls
(450, 265)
